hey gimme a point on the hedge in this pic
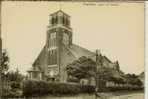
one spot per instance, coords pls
(40, 88)
(123, 88)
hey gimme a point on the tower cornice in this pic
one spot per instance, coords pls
(60, 26)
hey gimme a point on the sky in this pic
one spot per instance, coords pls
(117, 29)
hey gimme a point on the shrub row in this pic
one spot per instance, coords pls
(40, 88)
(123, 88)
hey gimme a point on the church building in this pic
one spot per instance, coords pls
(59, 51)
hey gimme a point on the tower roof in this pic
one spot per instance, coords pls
(59, 11)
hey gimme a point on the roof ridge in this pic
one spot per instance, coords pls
(83, 48)
(105, 57)
(39, 55)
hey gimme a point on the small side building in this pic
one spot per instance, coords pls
(35, 74)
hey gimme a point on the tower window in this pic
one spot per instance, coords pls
(63, 20)
(53, 35)
(60, 19)
(65, 39)
(56, 19)
(67, 22)
(53, 21)
(52, 40)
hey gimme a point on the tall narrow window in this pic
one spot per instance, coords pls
(65, 39)
(68, 22)
(52, 57)
(52, 21)
(52, 40)
(62, 20)
(56, 20)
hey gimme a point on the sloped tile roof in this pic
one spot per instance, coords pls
(41, 59)
(74, 52)
(80, 51)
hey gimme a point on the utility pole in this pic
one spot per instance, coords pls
(96, 75)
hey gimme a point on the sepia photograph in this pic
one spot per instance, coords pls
(72, 50)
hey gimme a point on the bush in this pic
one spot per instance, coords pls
(13, 93)
(40, 88)
(87, 89)
(132, 88)
(15, 85)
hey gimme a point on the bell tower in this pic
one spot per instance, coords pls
(59, 33)
(59, 29)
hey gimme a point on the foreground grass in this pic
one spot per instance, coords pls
(106, 95)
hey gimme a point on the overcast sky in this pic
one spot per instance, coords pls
(117, 30)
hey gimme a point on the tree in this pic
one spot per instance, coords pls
(4, 66)
(133, 79)
(82, 68)
(5, 62)
(15, 76)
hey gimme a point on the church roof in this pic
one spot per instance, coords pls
(74, 52)
(79, 51)
(40, 60)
